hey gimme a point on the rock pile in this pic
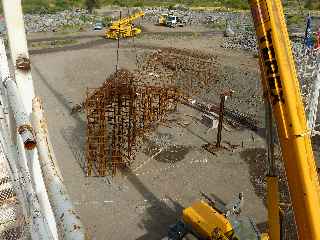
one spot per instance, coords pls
(53, 22)
(238, 20)
(241, 40)
(81, 17)
(305, 63)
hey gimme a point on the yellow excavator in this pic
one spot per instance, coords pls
(124, 27)
(206, 220)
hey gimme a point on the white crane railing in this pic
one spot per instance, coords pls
(44, 210)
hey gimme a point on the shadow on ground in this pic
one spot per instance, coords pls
(158, 216)
(74, 136)
(256, 160)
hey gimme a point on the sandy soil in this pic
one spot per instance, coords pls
(142, 202)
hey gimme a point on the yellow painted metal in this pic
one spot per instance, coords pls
(284, 94)
(204, 220)
(124, 28)
(264, 236)
(273, 207)
(162, 19)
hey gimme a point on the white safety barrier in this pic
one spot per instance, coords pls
(42, 209)
(68, 221)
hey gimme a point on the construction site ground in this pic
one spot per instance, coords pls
(171, 168)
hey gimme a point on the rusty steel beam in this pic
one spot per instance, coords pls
(223, 98)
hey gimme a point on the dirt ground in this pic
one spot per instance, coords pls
(172, 167)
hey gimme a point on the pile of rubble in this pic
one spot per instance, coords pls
(81, 17)
(242, 40)
(190, 71)
(304, 63)
(53, 22)
(239, 20)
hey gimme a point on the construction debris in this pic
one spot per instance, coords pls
(190, 71)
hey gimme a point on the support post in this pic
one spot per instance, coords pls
(272, 178)
(220, 124)
(223, 98)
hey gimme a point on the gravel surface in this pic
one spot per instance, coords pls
(305, 62)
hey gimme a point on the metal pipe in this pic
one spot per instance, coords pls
(273, 207)
(27, 196)
(24, 190)
(69, 222)
(221, 113)
(223, 98)
(269, 139)
(5, 73)
(272, 178)
(23, 124)
(18, 170)
(283, 90)
(18, 49)
(20, 58)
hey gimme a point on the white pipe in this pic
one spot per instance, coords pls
(21, 117)
(19, 51)
(5, 73)
(17, 169)
(18, 47)
(66, 217)
(24, 190)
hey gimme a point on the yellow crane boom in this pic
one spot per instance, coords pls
(282, 90)
(123, 27)
(281, 83)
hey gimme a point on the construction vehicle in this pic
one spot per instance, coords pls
(171, 20)
(206, 220)
(162, 19)
(124, 27)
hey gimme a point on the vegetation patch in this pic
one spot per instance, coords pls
(50, 6)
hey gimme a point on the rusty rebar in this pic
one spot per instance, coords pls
(127, 105)
(223, 98)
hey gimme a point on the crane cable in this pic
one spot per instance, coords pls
(118, 44)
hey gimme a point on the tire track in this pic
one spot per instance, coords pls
(102, 41)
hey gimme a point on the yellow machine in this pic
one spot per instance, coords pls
(162, 19)
(124, 27)
(205, 220)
